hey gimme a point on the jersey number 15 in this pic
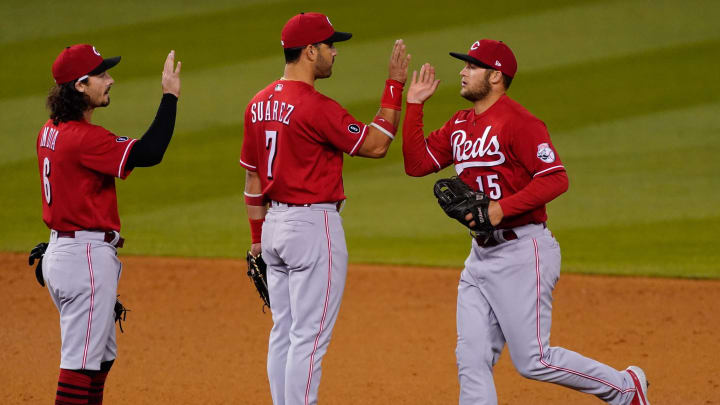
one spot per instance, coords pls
(491, 185)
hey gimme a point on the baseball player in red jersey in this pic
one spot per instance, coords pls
(292, 151)
(505, 290)
(78, 164)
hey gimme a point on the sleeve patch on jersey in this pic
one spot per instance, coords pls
(545, 153)
(354, 128)
(121, 139)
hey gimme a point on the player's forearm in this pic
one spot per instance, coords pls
(254, 205)
(415, 156)
(150, 149)
(540, 191)
(381, 131)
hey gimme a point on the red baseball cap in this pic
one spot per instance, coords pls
(80, 61)
(490, 54)
(310, 28)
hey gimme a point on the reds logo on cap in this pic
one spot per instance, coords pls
(78, 61)
(490, 54)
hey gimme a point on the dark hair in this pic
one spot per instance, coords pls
(293, 54)
(66, 103)
(506, 81)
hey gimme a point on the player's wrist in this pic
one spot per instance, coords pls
(256, 229)
(392, 95)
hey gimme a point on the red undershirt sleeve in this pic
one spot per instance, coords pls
(540, 191)
(421, 156)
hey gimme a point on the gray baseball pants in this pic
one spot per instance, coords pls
(82, 275)
(505, 296)
(306, 254)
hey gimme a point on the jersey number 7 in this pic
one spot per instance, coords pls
(271, 143)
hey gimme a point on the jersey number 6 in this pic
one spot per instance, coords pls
(46, 180)
(271, 143)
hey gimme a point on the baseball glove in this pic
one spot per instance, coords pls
(458, 200)
(120, 313)
(37, 253)
(257, 271)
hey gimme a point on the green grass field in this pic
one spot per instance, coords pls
(630, 91)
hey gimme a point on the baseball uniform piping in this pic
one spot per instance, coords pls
(359, 141)
(537, 318)
(548, 169)
(122, 161)
(383, 130)
(92, 306)
(327, 300)
(432, 156)
(248, 165)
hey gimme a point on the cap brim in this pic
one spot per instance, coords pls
(339, 37)
(468, 58)
(105, 65)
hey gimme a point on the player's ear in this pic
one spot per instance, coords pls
(80, 86)
(496, 77)
(311, 52)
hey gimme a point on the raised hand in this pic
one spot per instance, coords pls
(171, 76)
(422, 86)
(399, 61)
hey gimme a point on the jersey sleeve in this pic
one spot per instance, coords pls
(423, 156)
(104, 152)
(248, 155)
(533, 148)
(336, 126)
(438, 145)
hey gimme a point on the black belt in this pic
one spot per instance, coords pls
(109, 237)
(338, 204)
(507, 235)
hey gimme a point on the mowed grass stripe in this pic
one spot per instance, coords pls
(232, 36)
(651, 249)
(564, 97)
(38, 19)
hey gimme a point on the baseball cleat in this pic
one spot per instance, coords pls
(641, 385)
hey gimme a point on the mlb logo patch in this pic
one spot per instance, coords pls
(278, 87)
(545, 153)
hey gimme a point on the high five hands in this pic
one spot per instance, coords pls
(423, 85)
(171, 76)
(399, 61)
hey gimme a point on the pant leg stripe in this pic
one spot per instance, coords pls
(327, 300)
(542, 354)
(92, 306)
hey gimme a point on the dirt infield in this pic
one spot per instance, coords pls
(196, 335)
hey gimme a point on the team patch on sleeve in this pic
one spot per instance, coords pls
(545, 153)
(121, 139)
(354, 128)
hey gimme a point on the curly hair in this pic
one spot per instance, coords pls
(66, 103)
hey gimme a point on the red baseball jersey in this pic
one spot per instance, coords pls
(78, 163)
(294, 139)
(497, 152)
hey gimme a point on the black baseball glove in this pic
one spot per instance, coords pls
(120, 313)
(37, 253)
(458, 200)
(257, 271)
